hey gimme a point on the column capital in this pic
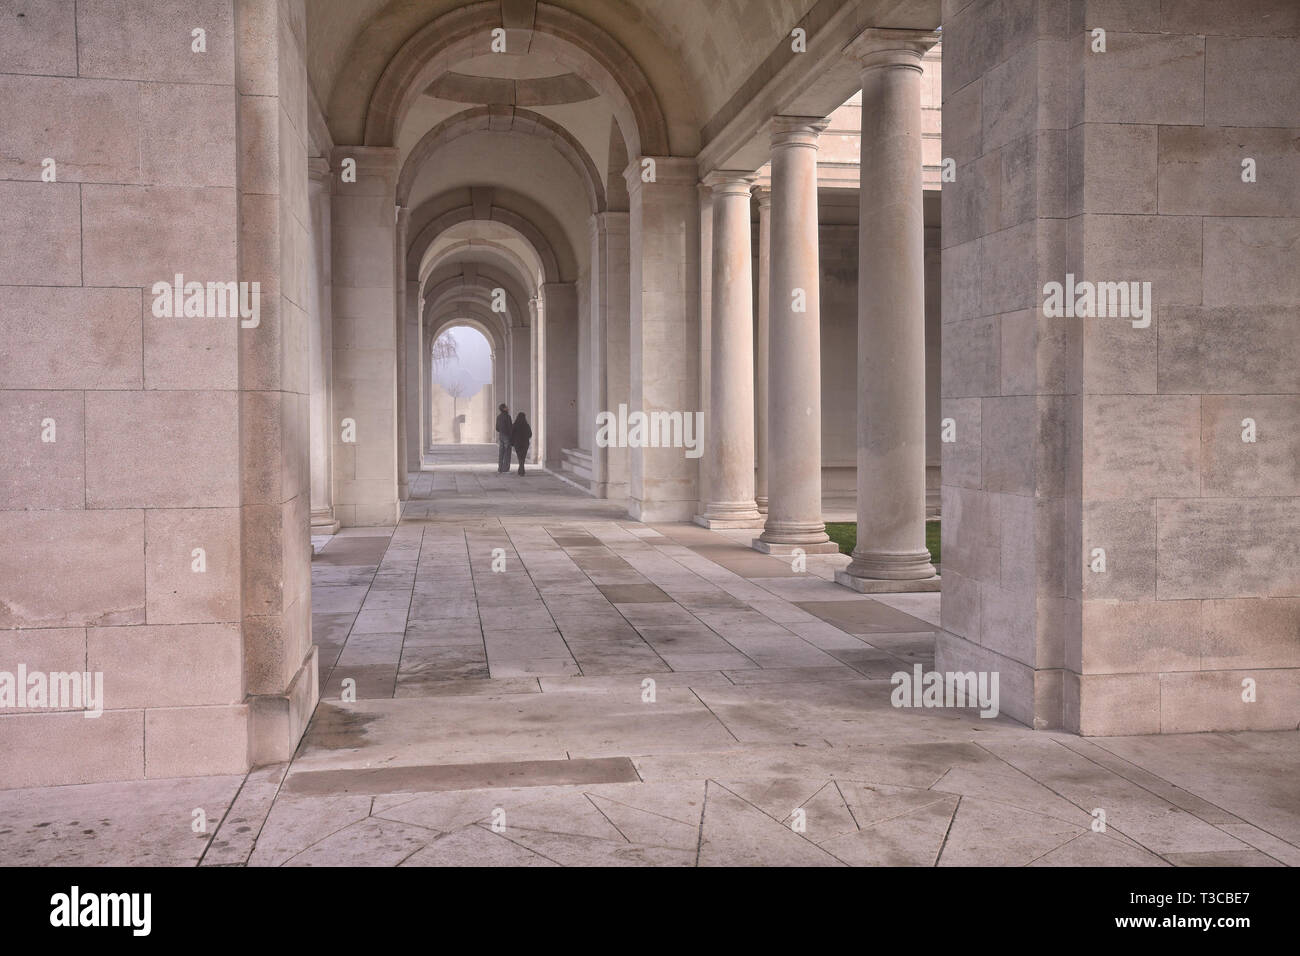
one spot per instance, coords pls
(797, 130)
(730, 182)
(875, 48)
(764, 196)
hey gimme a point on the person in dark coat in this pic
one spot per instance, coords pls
(503, 439)
(520, 435)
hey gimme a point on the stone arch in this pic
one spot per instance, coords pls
(458, 316)
(452, 303)
(477, 286)
(552, 356)
(582, 46)
(475, 318)
(486, 259)
(504, 119)
(463, 293)
(504, 207)
(454, 293)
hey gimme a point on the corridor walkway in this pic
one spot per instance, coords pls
(501, 643)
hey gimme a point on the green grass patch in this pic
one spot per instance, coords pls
(845, 534)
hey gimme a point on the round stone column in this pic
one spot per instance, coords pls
(891, 318)
(399, 280)
(321, 339)
(794, 474)
(764, 196)
(729, 456)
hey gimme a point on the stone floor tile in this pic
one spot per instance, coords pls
(597, 658)
(993, 834)
(782, 675)
(238, 830)
(865, 616)
(338, 599)
(735, 833)
(467, 686)
(475, 846)
(370, 681)
(1223, 858)
(534, 667)
(134, 823)
(371, 648)
(368, 842)
(656, 614)
(1098, 849)
(732, 660)
(380, 622)
(296, 823)
(912, 838)
(924, 605)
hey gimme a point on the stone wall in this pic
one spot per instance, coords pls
(163, 435)
(1078, 436)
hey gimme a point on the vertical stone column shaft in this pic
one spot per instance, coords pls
(537, 362)
(417, 366)
(764, 196)
(794, 518)
(321, 338)
(891, 315)
(729, 453)
(399, 319)
(706, 330)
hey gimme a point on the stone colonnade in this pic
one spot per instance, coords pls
(761, 469)
(779, 475)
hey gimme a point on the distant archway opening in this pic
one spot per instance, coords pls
(462, 387)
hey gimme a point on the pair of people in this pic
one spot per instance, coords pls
(516, 435)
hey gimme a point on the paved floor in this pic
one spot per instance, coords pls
(501, 644)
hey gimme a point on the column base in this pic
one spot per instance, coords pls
(723, 515)
(884, 586)
(704, 521)
(324, 522)
(777, 547)
(761, 505)
(891, 565)
(782, 537)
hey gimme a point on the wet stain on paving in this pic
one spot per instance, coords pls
(467, 776)
(337, 728)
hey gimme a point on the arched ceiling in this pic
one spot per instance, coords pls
(529, 180)
(504, 121)
(695, 54)
(488, 242)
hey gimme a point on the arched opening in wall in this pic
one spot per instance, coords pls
(514, 165)
(462, 394)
